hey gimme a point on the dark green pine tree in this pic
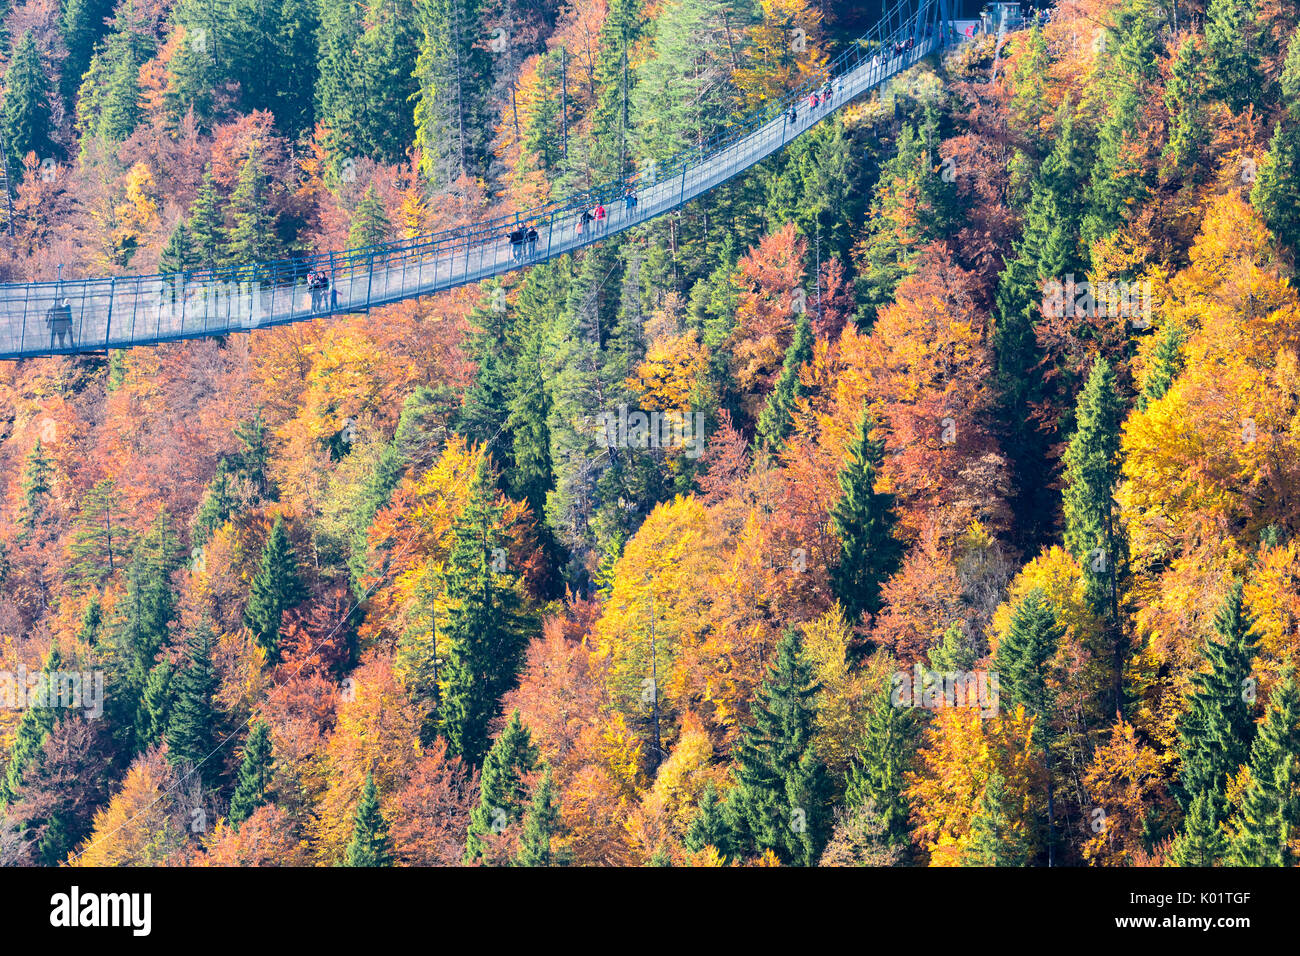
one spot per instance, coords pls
(1166, 363)
(863, 522)
(33, 727)
(125, 52)
(277, 587)
(1270, 807)
(99, 539)
(1024, 660)
(1232, 37)
(206, 224)
(484, 631)
(1276, 193)
(155, 710)
(190, 729)
(775, 422)
(253, 784)
(1189, 131)
(994, 839)
(503, 788)
(876, 774)
(26, 106)
(82, 26)
(1201, 842)
(1290, 79)
(139, 628)
(910, 205)
(370, 845)
(215, 507)
(180, 254)
(1048, 250)
(781, 798)
(38, 483)
(541, 827)
(709, 825)
(271, 49)
(1092, 472)
(253, 235)
(1216, 731)
(1117, 184)
(370, 225)
(254, 455)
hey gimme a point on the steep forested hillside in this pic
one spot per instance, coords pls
(928, 495)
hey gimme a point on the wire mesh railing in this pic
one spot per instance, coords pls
(70, 316)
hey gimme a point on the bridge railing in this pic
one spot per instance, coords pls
(119, 311)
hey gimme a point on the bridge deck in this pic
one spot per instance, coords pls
(124, 311)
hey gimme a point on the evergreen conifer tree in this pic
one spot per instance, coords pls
(863, 522)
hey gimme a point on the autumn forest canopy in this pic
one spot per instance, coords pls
(928, 495)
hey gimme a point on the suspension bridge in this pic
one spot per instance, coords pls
(93, 315)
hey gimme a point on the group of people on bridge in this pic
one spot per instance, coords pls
(323, 299)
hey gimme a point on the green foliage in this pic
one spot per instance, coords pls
(453, 71)
(26, 105)
(1092, 473)
(777, 420)
(781, 799)
(276, 587)
(370, 225)
(1232, 39)
(1216, 731)
(541, 827)
(503, 786)
(863, 522)
(1166, 363)
(1270, 807)
(253, 783)
(485, 630)
(38, 719)
(994, 840)
(370, 845)
(190, 737)
(877, 774)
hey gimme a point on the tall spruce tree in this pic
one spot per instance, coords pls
(709, 825)
(877, 773)
(38, 719)
(1092, 532)
(38, 484)
(370, 845)
(276, 588)
(454, 70)
(863, 522)
(503, 786)
(1232, 37)
(253, 783)
(26, 105)
(191, 727)
(1264, 827)
(994, 838)
(1276, 193)
(485, 629)
(1024, 661)
(781, 798)
(370, 225)
(541, 827)
(1166, 363)
(155, 710)
(1216, 731)
(775, 422)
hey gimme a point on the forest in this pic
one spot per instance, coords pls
(929, 495)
